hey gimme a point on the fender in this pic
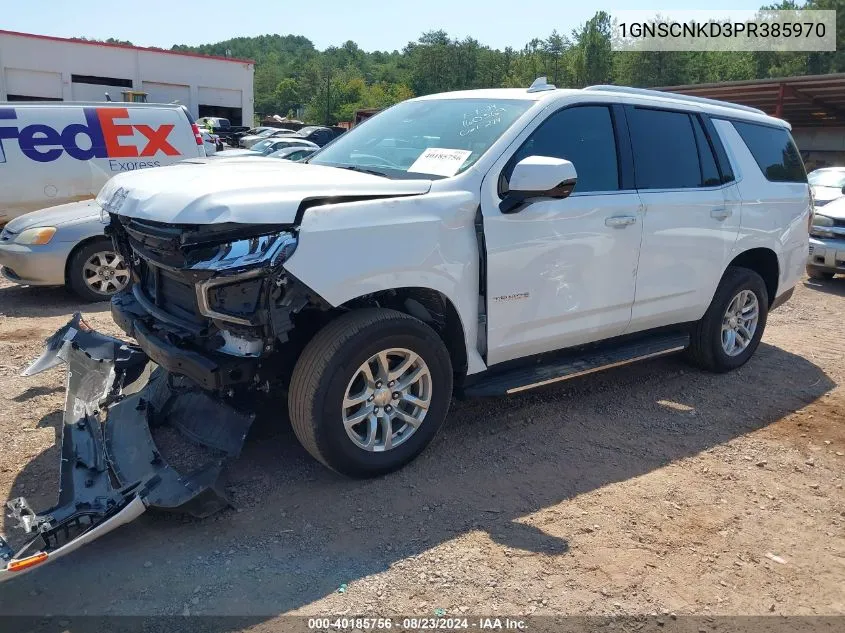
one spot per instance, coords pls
(352, 249)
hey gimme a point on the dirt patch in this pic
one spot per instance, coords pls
(648, 489)
(22, 334)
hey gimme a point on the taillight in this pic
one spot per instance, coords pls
(197, 134)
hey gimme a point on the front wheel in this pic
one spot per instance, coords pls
(731, 329)
(370, 391)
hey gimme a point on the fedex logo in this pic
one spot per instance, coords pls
(103, 135)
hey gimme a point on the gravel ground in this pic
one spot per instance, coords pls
(648, 489)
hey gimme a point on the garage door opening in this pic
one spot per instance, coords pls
(26, 98)
(235, 115)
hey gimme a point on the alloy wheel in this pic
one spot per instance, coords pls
(387, 399)
(740, 322)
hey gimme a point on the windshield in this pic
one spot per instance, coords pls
(436, 137)
(827, 178)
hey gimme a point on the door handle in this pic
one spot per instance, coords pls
(620, 221)
(721, 213)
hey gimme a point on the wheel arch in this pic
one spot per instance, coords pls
(429, 306)
(764, 262)
(77, 247)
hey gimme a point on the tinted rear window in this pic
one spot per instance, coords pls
(774, 151)
(665, 151)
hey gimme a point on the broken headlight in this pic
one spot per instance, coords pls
(262, 250)
(241, 266)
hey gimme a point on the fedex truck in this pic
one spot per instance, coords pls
(53, 153)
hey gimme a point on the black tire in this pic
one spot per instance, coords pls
(76, 274)
(815, 273)
(706, 349)
(329, 362)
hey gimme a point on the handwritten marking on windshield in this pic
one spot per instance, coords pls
(480, 118)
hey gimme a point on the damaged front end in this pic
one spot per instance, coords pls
(209, 307)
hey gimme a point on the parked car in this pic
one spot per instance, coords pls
(317, 134)
(531, 237)
(270, 145)
(63, 245)
(248, 141)
(81, 146)
(827, 241)
(293, 153)
(827, 183)
(258, 132)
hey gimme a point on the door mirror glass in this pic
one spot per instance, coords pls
(538, 176)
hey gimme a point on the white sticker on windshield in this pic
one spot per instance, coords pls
(439, 161)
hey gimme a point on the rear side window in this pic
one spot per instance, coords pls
(665, 150)
(583, 135)
(774, 151)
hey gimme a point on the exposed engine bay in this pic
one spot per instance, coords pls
(210, 302)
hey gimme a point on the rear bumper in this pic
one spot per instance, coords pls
(827, 254)
(35, 265)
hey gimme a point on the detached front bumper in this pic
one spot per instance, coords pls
(111, 470)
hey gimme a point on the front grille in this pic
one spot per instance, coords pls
(169, 292)
(7, 236)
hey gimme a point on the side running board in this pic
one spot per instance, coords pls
(578, 363)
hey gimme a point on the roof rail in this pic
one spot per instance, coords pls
(672, 95)
(540, 84)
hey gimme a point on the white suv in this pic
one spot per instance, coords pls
(483, 242)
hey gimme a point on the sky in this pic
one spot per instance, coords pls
(373, 24)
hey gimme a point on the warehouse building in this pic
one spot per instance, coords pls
(43, 68)
(813, 104)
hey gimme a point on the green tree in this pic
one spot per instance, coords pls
(592, 59)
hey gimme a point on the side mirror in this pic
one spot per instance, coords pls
(538, 177)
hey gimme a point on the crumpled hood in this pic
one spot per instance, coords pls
(835, 209)
(826, 194)
(249, 192)
(56, 216)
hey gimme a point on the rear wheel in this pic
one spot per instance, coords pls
(815, 273)
(96, 271)
(370, 391)
(731, 329)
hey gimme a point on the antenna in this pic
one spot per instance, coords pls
(540, 84)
